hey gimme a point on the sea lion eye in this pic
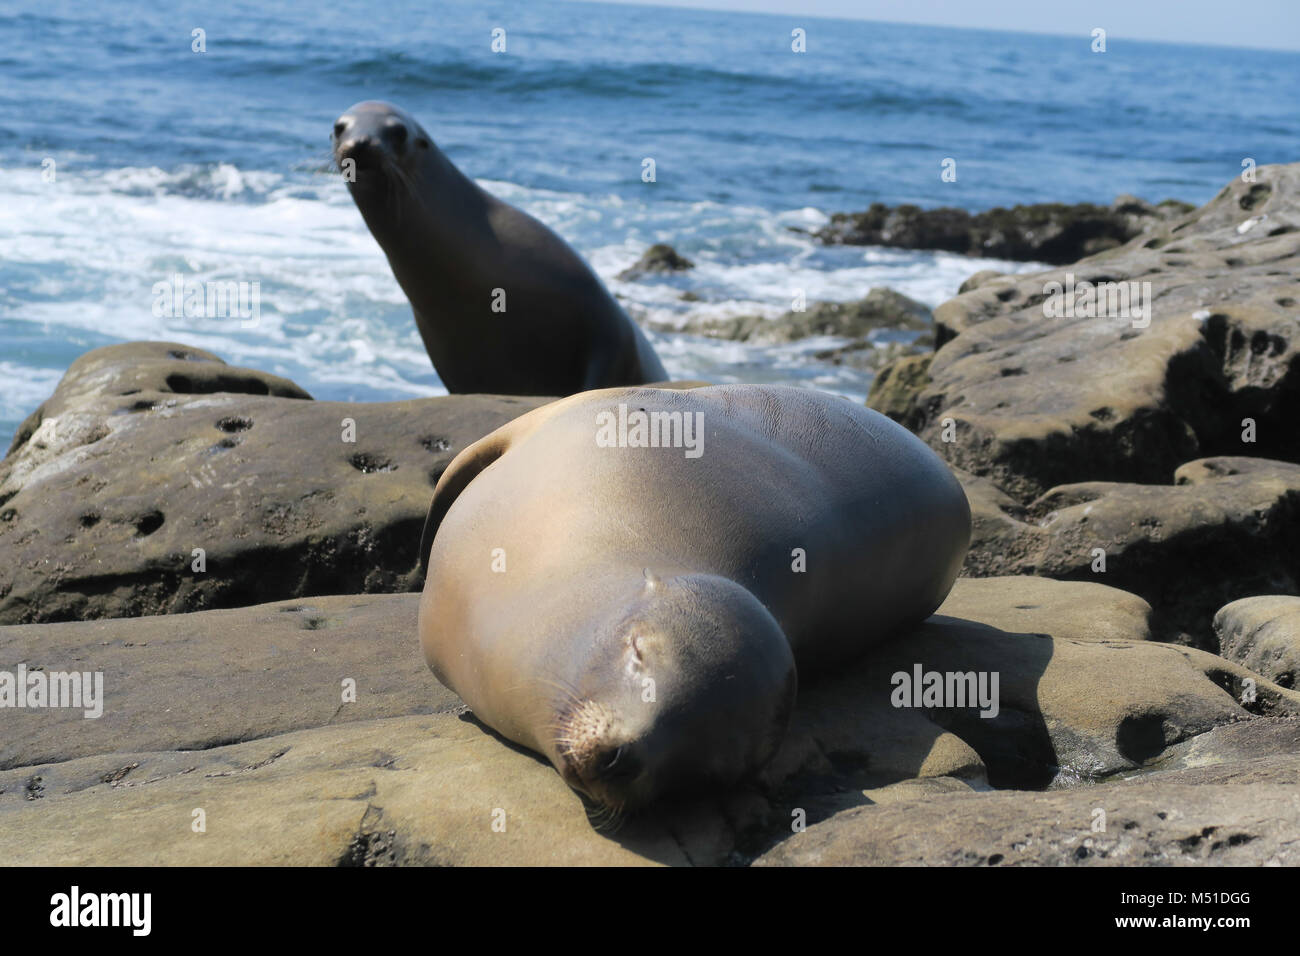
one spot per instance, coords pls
(617, 766)
(340, 128)
(421, 142)
(612, 761)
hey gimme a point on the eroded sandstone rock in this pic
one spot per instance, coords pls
(1031, 400)
(148, 451)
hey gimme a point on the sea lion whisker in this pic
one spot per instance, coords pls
(569, 700)
(608, 817)
(554, 682)
(554, 716)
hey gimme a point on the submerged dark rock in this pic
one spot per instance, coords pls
(1043, 232)
(659, 258)
(881, 308)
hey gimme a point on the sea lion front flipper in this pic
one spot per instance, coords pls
(470, 462)
(463, 469)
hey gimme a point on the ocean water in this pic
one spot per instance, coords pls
(215, 165)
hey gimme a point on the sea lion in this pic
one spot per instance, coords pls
(629, 581)
(461, 255)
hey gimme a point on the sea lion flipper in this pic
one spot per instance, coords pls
(470, 462)
(463, 469)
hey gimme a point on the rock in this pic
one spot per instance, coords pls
(979, 279)
(150, 450)
(895, 387)
(1043, 232)
(1039, 401)
(658, 259)
(870, 355)
(1068, 610)
(403, 791)
(1245, 814)
(137, 368)
(239, 712)
(213, 678)
(1001, 538)
(1262, 633)
(1224, 530)
(1071, 709)
(1233, 743)
(1066, 432)
(882, 308)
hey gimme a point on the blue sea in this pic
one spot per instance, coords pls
(215, 164)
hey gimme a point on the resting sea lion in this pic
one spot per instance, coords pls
(457, 252)
(627, 581)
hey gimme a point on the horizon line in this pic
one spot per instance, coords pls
(845, 18)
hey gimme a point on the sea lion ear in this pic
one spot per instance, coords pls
(652, 581)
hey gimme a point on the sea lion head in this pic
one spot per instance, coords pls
(385, 148)
(690, 687)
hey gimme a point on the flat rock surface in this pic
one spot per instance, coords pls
(211, 678)
(151, 450)
(239, 713)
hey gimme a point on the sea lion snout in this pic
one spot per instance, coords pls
(698, 685)
(597, 753)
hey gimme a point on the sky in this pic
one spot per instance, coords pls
(1266, 24)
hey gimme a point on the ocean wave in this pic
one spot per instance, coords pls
(223, 181)
(408, 74)
(85, 253)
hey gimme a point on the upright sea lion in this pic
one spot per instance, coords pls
(628, 581)
(461, 255)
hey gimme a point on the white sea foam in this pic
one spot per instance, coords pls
(81, 256)
(24, 388)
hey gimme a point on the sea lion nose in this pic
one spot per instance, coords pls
(356, 141)
(363, 149)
